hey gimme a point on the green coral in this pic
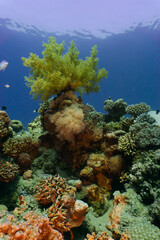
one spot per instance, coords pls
(137, 109)
(115, 109)
(57, 72)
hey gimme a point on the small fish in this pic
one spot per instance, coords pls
(7, 86)
(157, 111)
(3, 107)
(3, 65)
(36, 110)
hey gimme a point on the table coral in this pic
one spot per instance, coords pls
(115, 109)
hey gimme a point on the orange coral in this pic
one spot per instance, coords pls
(115, 213)
(49, 189)
(103, 236)
(33, 227)
(67, 213)
(124, 236)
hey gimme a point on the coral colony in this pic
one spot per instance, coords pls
(77, 173)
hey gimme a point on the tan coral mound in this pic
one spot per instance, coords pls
(68, 122)
(4, 125)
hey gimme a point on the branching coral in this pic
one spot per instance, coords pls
(127, 144)
(67, 213)
(64, 213)
(49, 189)
(54, 73)
(137, 109)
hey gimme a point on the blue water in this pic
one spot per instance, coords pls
(132, 60)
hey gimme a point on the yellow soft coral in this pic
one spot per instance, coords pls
(56, 73)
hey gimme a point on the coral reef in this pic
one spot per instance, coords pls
(79, 171)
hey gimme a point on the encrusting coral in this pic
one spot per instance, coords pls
(55, 73)
(32, 227)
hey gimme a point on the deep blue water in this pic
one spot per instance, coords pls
(132, 60)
